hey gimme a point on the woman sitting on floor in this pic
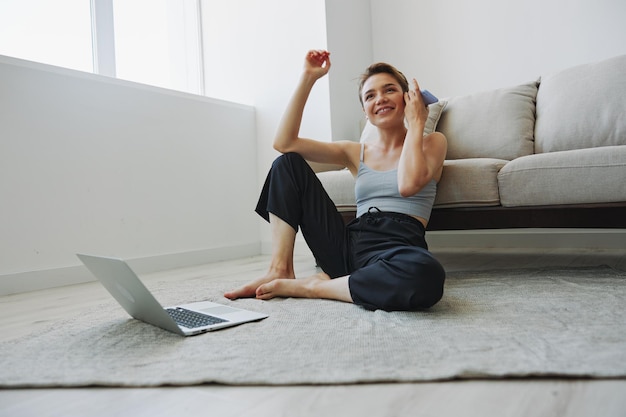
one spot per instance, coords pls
(381, 259)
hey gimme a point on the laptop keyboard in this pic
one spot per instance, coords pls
(191, 319)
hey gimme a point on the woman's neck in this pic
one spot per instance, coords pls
(392, 138)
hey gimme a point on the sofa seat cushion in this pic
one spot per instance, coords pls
(465, 183)
(492, 124)
(580, 176)
(471, 182)
(339, 185)
(582, 107)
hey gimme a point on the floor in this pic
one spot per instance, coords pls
(523, 397)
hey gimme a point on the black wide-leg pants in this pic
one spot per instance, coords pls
(385, 254)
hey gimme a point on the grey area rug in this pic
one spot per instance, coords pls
(518, 323)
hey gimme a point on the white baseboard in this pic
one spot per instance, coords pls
(78, 274)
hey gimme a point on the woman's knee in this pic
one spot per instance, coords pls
(289, 158)
(428, 292)
(417, 287)
(426, 287)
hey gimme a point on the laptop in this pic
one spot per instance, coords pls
(185, 319)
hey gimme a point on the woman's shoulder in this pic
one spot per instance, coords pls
(436, 139)
(352, 151)
(348, 146)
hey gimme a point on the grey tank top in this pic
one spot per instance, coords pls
(380, 189)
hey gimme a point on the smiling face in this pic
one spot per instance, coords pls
(383, 100)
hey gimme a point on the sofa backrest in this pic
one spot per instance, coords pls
(491, 124)
(582, 107)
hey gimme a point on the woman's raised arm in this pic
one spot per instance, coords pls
(422, 157)
(287, 139)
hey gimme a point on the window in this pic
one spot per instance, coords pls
(155, 42)
(53, 32)
(227, 47)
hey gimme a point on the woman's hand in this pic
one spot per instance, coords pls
(317, 63)
(415, 109)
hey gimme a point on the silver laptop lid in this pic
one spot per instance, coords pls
(129, 291)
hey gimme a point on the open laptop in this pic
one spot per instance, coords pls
(185, 319)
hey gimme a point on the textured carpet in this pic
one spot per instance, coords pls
(516, 323)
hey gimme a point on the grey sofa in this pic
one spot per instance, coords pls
(549, 153)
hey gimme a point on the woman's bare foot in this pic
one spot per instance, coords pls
(250, 290)
(303, 288)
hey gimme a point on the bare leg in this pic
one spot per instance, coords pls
(281, 264)
(316, 286)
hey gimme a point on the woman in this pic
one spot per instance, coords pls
(380, 260)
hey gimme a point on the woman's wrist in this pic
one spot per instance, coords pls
(416, 124)
(306, 78)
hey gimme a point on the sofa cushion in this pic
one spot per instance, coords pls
(340, 187)
(465, 183)
(582, 107)
(595, 175)
(492, 124)
(471, 182)
(434, 113)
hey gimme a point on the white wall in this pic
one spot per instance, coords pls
(456, 47)
(351, 52)
(285, 30)
(97, 165)
(254, 52)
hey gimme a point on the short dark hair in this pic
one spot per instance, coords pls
(382, 68)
